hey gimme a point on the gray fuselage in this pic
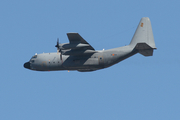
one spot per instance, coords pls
(86, 62)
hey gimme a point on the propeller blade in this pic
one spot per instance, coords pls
(58, 48)
(57, 45)
(58, 41)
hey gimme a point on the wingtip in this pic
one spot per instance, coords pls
(72, 33)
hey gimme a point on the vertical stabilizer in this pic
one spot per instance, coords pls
(143, 34)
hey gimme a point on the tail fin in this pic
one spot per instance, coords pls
(143, 39)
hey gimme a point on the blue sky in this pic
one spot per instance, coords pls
(146, 88)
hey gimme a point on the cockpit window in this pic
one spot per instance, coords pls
(32, 61)
(35, 56)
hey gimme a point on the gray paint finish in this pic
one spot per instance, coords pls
(84, 58)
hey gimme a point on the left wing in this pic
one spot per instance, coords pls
(77, 45)
(76, 38)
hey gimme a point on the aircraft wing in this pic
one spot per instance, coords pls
(75, 38)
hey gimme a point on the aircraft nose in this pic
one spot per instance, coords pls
(27, 65)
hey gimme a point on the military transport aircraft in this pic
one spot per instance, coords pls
(81, 56)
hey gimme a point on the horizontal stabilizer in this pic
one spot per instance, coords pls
(144, 49)
(146, 52)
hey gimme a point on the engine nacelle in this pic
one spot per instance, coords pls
(77, 52)
(72, 46)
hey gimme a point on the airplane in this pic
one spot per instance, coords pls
(79, 55)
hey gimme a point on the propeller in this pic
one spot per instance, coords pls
(57, 45)
(58, 48)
